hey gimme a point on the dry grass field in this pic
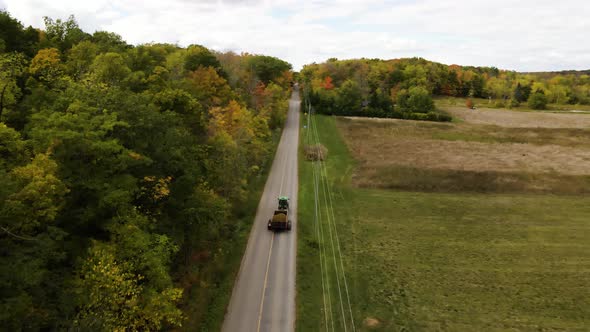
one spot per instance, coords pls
(519, 119)
(470, 156)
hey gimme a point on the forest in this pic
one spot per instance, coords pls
(403, 88)
(123, 171)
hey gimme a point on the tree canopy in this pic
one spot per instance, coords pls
(382, 82)
(120, 164)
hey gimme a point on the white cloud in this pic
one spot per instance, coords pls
(526, 35)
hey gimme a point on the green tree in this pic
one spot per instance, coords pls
(63, 34)
(538, 100)
(415, 100)
(15, 38)
(109, 42)
(199, 56)
(110, 68)
(12, 66)
(30, 241)
(349, 98)
(268, 68)
(80, 58)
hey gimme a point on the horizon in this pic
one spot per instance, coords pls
(509, 37)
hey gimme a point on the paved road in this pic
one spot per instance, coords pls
(263, 297)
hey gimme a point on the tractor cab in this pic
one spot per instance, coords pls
(283, 202)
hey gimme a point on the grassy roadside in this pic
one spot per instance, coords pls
(446, 261)
(207, 303)
(309, 287)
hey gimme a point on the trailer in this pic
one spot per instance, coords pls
(280, 218)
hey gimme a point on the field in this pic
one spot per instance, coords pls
(459, 103)
(520, 119)
(422, 255)
(468, 156)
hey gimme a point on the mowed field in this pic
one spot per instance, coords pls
(455, 227)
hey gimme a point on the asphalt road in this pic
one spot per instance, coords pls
(263, 298)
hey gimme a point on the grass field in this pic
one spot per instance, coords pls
(444, 259)
(459, 102)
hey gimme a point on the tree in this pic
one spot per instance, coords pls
(537, 100)
(46, 66)
(349, 100)
(208, 87)
(13, 150)
(110, 68)
(521, 92)
(113, 297)
(108, 42)
(199, 56)
(328, 83)
(29, 238)
(63, 34)
(415, 100)
(15, 38)
(268, 68)
(12, 66)
(80, 58)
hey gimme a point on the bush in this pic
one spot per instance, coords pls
(444, 118)
(499, 104)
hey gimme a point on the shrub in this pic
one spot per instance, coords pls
(445, 118)
(499, 104)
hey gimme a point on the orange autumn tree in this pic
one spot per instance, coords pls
(327, 84)
(259, 96)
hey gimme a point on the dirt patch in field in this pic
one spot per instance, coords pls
(516, 119)
(371, 322)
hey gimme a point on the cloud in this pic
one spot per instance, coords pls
(526, 35)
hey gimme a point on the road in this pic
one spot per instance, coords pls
(263, 298)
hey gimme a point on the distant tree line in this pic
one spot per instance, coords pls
(401, 88)
(122, 171)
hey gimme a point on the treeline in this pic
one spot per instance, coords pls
(123, 169)
(397, 88)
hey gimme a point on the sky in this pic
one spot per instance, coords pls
(524, 35)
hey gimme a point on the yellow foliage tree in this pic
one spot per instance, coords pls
(113, 300)
(46, 65)
(208, 87)
(38, 201)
